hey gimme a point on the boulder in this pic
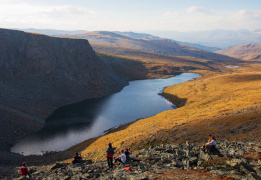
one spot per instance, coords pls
(253, 176)
(204, 156)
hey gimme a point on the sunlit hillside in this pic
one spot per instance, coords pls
(178, 61)
(224, 104)
(244, 52)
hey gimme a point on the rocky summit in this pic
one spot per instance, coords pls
(234, 160)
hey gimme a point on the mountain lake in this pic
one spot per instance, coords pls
(75, 123)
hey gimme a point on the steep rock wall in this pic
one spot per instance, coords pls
(39, 73)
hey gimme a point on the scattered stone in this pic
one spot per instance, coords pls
(155, 160)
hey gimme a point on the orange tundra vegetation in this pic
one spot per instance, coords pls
(225, 104)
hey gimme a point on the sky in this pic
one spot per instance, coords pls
(131, 15)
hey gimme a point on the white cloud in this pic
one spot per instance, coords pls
(201, 10)
(248, 15)
(68, 10)
(19, 14)
(24, 15)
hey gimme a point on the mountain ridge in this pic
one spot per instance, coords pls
(245, 52)
(149, 36)
(163, 46)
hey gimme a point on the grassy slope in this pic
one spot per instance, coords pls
(244, 52)
(185, 60)
(138, 64)
(226, 104)
(135, 64)
(135, 69)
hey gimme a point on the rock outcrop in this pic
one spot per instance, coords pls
(180, 161)
(39, 73)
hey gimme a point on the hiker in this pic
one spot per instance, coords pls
(24, 170)
(128, 153)
(77, 159)
(121, 158)
(110, 152)
(210, 146)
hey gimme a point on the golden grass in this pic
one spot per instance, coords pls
(227, 105)
(178, 61)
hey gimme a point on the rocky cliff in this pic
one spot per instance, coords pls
(39, 73)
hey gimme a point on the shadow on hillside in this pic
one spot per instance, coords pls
(178, 102)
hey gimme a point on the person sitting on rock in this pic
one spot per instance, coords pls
(24, 170)
(77, 159)
(128, 153)
(110, 152)
(121, 158)
(210, 146)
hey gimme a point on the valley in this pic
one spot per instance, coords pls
(224, 101)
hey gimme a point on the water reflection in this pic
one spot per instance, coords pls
(72, 124)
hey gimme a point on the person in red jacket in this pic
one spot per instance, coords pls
(110, 152)
(24, 170)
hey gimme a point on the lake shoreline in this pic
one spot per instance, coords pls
(68, 153)
(117, 105)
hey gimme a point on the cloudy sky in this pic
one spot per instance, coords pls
(131, 15)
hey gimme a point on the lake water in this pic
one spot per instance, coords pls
(72, 124)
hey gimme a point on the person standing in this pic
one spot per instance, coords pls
(110, 153)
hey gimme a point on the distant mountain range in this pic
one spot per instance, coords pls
(149, 36)
(211, 40)
(244, 52)
(133, 35)
(160, 45)
(214, 38)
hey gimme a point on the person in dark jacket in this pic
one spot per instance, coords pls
(77, 159)
(110, 153)
(128, 153)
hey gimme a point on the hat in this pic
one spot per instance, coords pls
(210, 135)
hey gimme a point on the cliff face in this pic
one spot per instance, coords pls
(39, 73)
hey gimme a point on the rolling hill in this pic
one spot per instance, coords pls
(149, 36)
(163, 46)
(218, 38)
(245, 52)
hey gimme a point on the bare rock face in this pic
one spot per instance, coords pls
(39, 73)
